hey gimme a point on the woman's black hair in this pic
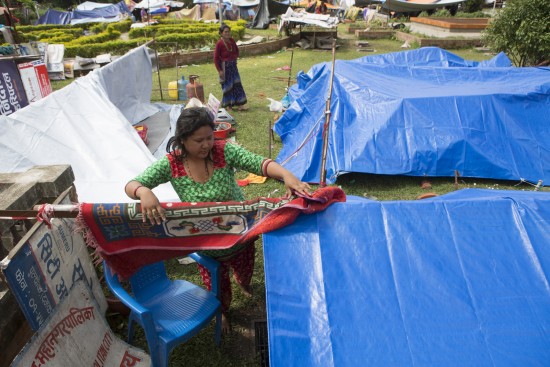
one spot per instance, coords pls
(222, 27)
(190, 120)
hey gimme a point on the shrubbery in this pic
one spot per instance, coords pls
(106, 38)
(522, 31)
(442, 13)
(477, 14)
(472, 6)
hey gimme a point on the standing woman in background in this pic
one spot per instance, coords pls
(225, 59)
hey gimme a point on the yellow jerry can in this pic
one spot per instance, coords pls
(173, 89)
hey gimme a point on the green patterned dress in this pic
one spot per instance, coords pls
(222, 185)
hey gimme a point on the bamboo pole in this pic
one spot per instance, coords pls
(58, 211)
(326, 125)
(290, 70)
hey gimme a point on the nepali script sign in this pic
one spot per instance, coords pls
(77, 334)
(45, 264)
(34, 77)
(12, 93)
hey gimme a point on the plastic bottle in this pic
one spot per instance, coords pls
(182, 88)
(195, 88)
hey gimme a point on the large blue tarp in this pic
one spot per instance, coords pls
(457, 280)
(424, 112)
(106, 13)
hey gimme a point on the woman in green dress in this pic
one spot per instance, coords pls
(202, 169)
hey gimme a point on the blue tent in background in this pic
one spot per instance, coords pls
(424, 112)
(457, 280)
(110, 13)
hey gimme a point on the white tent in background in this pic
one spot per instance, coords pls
(88, 124)
(155, 4)
(90, 5)
(194, 13)
(245, 3)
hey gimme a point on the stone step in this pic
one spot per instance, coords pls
(362, 43)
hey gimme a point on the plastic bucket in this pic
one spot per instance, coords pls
(221, 130)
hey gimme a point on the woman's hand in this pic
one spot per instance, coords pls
(150, 206)
(293, 184)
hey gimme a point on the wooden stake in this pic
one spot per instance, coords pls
(327, 119)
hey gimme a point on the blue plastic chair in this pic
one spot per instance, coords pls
(170, 311)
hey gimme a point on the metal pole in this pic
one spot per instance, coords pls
(326, 125)
(270, 136)
(220, 4)
(158, 73)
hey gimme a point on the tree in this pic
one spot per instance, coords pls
(522, 31)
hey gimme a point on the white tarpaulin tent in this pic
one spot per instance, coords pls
(154, 4)
(90, 5)
(321, 20)
(88, 124)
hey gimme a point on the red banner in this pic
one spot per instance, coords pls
(34, 76)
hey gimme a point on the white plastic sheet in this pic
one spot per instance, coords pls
(80, 125)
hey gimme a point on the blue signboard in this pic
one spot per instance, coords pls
(12, 91)
(41, 270)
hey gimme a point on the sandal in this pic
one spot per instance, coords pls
(243, 108)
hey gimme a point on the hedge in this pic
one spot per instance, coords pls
(185, 33)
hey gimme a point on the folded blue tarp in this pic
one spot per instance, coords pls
(52, 16)
(458, 280)
(425, 112)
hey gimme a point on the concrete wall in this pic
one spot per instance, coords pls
(178, 58)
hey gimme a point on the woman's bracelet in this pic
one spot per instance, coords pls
(135, 192)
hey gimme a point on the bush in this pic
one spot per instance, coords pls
(522, 31)
(472, 6)
(118, 47)
(477, 14)
(442, 13)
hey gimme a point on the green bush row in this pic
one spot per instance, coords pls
(190, 34)
(477, 14)
(118, 47)
(122, 26)
(444, 13)
(154, 31)
(189, 40)
(45, 27)
(109, 35)
(64, 38)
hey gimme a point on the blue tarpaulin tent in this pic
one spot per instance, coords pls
(424, 112)
(457, 280)
(108, 13)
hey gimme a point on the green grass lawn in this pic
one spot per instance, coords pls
(261, 79)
